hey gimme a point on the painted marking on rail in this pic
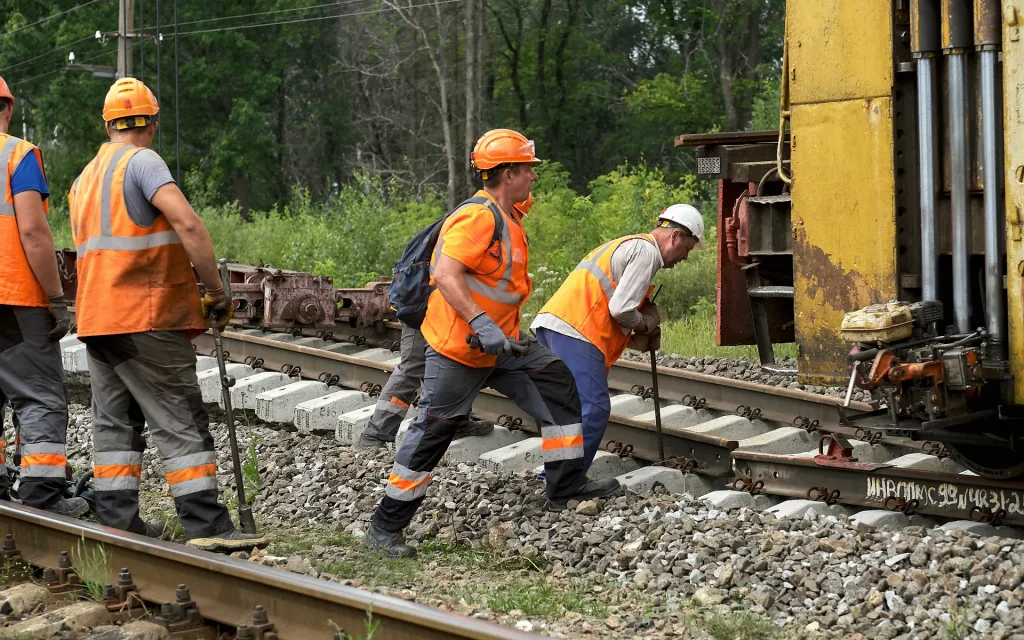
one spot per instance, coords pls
(944, 495)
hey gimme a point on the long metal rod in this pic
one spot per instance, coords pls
(990, 127)
(960, 169)
(927, 161)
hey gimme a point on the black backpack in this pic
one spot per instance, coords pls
(410, 283)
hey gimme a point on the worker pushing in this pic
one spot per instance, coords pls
(138, 307)
(481, 286)
(604, 306)
(400, 390)
(33, 318)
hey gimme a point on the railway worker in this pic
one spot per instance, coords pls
(138, 307)
(481, 287)
(33, 318)
(405, 381)
(603, 306)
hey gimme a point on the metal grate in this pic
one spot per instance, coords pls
(708, 166)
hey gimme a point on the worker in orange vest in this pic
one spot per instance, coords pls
(33, 318)
(138, 307)
(473, 341)
(604, 304)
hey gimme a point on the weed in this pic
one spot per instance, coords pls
(251, 469)
(695, 335)
(954, 625)
(11, 571)
(373, 569)
(93, 568)
(370, 625)
(172, 524)
(11, 634)
(288, 544)
(740, 626)
(537, 598)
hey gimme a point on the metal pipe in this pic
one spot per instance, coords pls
(990, 121)
(956, 27)
(927, 152)
(960, 167)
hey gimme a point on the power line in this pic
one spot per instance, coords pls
(339, 15)
(159, 26)
(64, 68)
(57, 15)
(54, 50)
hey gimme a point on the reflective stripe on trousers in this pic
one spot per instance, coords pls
(406, 485)
(6, 208)
(117, 470)
(562, 442)
(191, 473)
(43, 460)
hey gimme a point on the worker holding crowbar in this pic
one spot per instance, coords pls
(604, 306)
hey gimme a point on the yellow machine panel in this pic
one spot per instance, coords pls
(1013, 139)
(839, 49)
(844, 227)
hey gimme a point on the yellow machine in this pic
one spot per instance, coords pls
(900, 177)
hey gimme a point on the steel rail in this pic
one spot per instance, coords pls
(879, 486)
(227, 589)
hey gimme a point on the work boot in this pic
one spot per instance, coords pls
(367, 441)
(71, 507)
(592, 489)
(158, 530)
(473, 427)
(230, 541)
(388, 544)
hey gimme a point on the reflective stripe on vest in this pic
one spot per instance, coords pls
(106, 240)
(497, 293)
(7, 208)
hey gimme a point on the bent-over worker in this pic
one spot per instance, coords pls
(603, 306)
(138, 307)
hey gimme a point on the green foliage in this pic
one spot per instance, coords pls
(251, 469)
(694, 335)
(536, 598)
(741, 626)
(92, 563)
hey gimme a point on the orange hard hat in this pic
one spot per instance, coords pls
(129, 97)
(502, 146)
(5, 92)
(524, 207)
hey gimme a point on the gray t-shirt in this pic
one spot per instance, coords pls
(146, 173)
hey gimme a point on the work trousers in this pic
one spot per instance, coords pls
(150, 378)
(538, 382)
(32, 379)
(401, 388)
(588, 370)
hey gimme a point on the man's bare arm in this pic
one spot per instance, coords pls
(190, 228)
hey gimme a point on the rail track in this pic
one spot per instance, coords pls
(221, 592)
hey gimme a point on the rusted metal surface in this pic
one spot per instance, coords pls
(987, 31)
(269, 297)
(734, 322)
(368, 306)
(228, 590)
(956, 25)
(936, 494)
(67, 267)
(924, 26)
(727, 137)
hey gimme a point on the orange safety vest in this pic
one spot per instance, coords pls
(500, 284)
(582, 300)
(18, 285)
(131, 279)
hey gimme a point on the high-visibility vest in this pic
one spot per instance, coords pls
(18, 285)
(500, 284)
(582, 300)
(131, 279)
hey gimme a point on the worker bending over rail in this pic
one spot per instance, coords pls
(33, 318)
(138, 307)
(603, 306)
(401, 387)
(481, 286)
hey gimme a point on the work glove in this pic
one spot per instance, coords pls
(652, 318)
(217, 304)
(645, 341)
(492, 338)
(59, 311)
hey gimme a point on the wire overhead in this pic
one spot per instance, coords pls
(43, 55)
(56, 15)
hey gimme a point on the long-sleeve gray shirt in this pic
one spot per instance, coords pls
(634, 264)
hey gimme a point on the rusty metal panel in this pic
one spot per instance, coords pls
(844, 224)
(839, 50)
(734, 324)
(1013, 140)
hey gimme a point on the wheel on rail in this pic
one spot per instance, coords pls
(993, 463)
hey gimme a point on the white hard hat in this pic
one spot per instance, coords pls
(686, 216)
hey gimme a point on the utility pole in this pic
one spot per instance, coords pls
(125, 35)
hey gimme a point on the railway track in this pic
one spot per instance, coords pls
(719, 433)
(220, 593)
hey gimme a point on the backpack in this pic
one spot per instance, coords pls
(410, 283)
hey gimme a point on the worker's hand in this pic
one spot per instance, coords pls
(652, 318)
(217, 304)
(492, 339)
(654, 339)
(59, 311)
